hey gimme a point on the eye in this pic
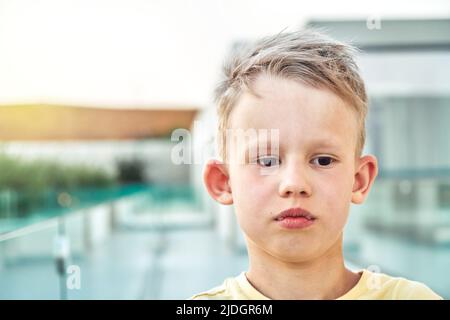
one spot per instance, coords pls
(323, 161)
(268, 161)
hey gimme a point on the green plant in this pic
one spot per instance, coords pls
(35, 182)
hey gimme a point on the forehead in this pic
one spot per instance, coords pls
(303, 115)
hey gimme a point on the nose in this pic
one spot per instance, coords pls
(294, 182)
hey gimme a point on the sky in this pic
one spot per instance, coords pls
(149, 54)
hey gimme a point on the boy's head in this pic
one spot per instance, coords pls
(305, 88)
(306, 57)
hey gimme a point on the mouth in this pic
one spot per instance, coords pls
(295, 218)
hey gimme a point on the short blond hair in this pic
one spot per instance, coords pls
(307, 56)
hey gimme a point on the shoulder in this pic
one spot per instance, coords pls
(414, 290)
(220, 292)
(388, 287)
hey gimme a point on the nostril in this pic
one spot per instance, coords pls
(294, 189)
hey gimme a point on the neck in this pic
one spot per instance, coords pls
(324, 277)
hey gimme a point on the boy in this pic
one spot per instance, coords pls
(301, 103)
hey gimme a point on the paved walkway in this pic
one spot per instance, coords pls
(131, 265)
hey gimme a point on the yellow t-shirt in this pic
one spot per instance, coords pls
(371, 286)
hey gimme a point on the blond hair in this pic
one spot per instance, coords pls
(307, 56)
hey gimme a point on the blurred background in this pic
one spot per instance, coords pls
(92, 203)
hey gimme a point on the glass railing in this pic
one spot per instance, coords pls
(20, 209)
(41, 253)
(403, 228)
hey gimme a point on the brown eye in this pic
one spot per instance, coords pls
(268, 162)
(324, 161)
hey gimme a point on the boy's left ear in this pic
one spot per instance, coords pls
(367, 170)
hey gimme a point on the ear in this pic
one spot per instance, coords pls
(216, 180)
(366, 172)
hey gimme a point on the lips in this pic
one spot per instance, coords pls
(295, 218)
(295, 213)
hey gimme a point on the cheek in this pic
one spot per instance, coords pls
(336, 198)
(250, 195)
(248, 185)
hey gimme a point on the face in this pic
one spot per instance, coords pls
(313, 168)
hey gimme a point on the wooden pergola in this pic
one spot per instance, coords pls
(54, 122)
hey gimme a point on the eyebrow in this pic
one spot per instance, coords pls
(316, 143)
(259, 143)
(327, 143)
